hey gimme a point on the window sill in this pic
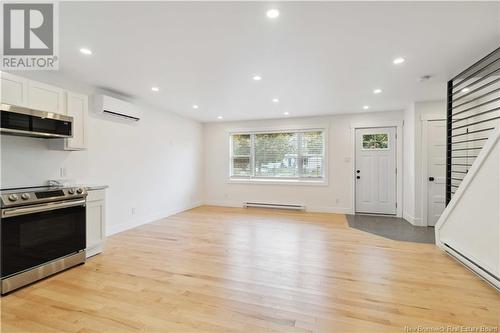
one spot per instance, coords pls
(293, 182)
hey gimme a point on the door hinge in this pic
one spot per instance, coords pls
(396, 205)
(396, 170)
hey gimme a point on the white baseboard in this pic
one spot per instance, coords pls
(93, 250)
(224, 203)
(312, 209)
(416, 221)
(114, 229)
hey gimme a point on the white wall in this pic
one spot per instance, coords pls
(153, 166)
(409, 164)
(335, 197)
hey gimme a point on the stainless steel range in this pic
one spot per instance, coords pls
(43, 231)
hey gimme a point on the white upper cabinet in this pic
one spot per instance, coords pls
(77, 107)
(45, 97)
(14, 89)
(36, 95)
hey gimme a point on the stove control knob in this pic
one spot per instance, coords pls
(13, 197)
(71, 191)
(25, 196)
(79, 191)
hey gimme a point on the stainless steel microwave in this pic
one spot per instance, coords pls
(22, 121)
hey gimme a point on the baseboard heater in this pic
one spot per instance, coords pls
(486, 275)
(272, 205)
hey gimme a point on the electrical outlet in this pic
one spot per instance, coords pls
(337, 200)
(132, 211)
(62, 172)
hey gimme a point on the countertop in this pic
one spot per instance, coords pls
(94, 187)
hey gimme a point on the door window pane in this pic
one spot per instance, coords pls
(376, 141)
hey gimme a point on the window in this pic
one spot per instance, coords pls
(241, 155)
(376, 141)
(278, 155)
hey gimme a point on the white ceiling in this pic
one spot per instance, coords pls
(318, 58)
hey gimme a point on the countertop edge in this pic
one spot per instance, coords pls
(95, 187)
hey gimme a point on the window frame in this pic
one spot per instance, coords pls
(252, 179)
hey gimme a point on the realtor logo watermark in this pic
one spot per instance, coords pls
(30, 36)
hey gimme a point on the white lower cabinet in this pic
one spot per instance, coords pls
(96, 235)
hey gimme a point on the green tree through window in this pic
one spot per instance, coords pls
(376, 141)
(278, 155)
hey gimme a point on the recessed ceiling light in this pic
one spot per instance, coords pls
(465, 90)
(276, 100)
(257, 78)
(86, 51)
(155, 89)
(366, 107)
(195, 106)
(398, 61)
(286, 113)
(219, 117)
(273, 13)
(377, 91)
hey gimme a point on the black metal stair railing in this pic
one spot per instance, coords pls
(473, 113)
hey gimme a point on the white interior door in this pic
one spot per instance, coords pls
(436, 170)
(376, 170)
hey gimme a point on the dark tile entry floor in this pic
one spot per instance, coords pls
(391, 227)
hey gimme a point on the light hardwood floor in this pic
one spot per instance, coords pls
(254, 270)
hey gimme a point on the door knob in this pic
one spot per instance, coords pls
(431, 179)
(358, 177)
(357, 171)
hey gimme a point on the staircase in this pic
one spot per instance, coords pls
(469, 228)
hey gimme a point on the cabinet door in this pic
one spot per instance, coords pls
(77, 107)
(95, 223)
(45, 97)
(14, 89)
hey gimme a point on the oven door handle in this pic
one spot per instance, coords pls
(41, 208)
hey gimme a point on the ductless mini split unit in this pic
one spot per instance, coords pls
(116, 107)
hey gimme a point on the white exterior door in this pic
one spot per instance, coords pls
(375, 172)
(436, 170)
